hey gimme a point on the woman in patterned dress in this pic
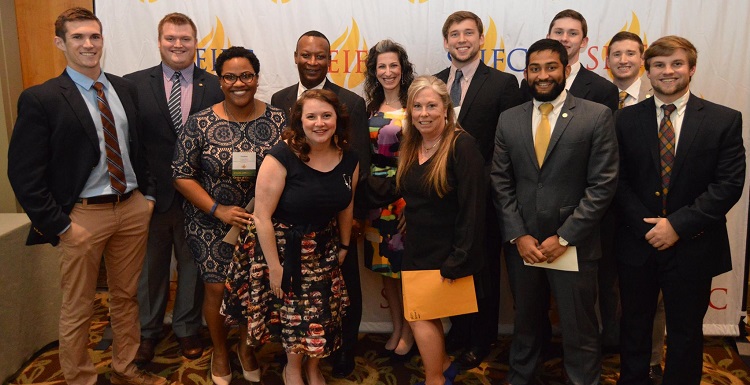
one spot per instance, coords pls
(389, 75)
(214, 166)
(285, 278)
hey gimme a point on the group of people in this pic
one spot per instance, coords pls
(441, 172)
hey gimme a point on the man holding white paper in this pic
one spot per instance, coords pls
(554, 174)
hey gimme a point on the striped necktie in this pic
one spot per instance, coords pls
(541, 140)
(175, 111)
(666, 151)
(111, 144)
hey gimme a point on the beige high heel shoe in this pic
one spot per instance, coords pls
(219, 380)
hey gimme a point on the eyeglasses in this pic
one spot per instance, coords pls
(245, 77)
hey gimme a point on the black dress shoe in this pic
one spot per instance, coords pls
(342, 364)
(470, 359)
(395, 357)
(191, 346)
(145, 352)
(655, 374)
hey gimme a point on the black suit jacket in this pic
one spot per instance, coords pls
(490, 93)
(158, 132)
(53, 148)
(359, 132)
(587, 85)
(706, 181)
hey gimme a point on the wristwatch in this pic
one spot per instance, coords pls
(562, 241)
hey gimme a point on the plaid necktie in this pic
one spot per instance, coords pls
(621, 103)
(111, 144)
(456, 89)
(666, 152)
(541, 140)
(175, 112)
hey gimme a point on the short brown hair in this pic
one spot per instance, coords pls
(73, 14)
(177, 18)
(625, 35)
(572, 14)
(459, 16)
(294, 134)
(666, 46)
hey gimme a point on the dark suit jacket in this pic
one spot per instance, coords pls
(359, 133)
(587, 85)
(490, 93)
(706, 181)
(159, 134)
(53, 148)
(570, 193)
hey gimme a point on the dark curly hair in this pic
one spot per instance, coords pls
(373, 90)
(233, 52)
(295, 134)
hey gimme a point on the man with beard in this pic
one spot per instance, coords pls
(480, 94)
(682, 170)
(312, 56)
(554, 174)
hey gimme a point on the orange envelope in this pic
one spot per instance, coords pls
(427, 296)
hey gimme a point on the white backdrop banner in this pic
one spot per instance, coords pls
(271, 27)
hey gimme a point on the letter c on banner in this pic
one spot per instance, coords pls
(712, 302)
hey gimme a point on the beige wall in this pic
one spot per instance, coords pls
(10, 88)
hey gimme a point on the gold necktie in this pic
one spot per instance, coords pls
(623, 96)
(541, 141)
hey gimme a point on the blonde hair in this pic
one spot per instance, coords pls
(437, 174)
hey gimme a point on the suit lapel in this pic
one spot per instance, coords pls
(79, 107)
(691, 124)
(581, 85)
(649, 130)
(480, 76)
(566, 116)
(199, 88)
(157, 87)
(646, 91)
(525, 128)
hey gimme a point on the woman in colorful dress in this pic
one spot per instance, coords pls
(389, 74)
(285, 278)
(214, 168)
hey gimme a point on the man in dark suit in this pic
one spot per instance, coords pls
(76, 167)
(312, 56)
(682, 170)
(554, 174)
(162, 99)
(481, 94)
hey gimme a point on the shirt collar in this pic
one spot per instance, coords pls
(301, 89)
(467, 70)
(680, 104)
(84, 81)
(634, 88)
(556, 104)
(575, 68)
(186, 73)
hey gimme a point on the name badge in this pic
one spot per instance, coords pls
(244, 164)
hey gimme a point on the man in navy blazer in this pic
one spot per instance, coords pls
(197, 90)
(682, 170)
(312, 55)
(484, 93)
(77, 169)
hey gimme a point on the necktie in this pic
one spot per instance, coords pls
(111, 144)
(623, 96)
(541, 140)
(456, 89)
(666, 151)
(175, 112)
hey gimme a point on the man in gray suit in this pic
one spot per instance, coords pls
(554, 174)
(625, 59)
(168, 93)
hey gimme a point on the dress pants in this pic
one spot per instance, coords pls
(609, 294)
(353, 315)
(167, 233)
(119, 231)
(685, 305)
(575, 294)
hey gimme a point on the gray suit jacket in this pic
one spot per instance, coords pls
(570, 193)
(646, 91)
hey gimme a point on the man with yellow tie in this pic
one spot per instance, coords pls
(554, 174)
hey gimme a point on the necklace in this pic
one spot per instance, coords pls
(391, 103)
(426, 150)
(232, 118)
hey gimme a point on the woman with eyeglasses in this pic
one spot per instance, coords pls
(216, 159)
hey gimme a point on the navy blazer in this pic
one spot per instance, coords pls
(54, 146)
(159, 134)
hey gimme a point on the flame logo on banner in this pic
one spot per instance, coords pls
(348, 55)
(493, 55)
(214, 43)
(150, 1)
(276, 1)
(411, 1)
(635, 27)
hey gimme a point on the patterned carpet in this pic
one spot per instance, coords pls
(721, 364)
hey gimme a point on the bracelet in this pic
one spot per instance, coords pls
(343, 246)
(213, 209)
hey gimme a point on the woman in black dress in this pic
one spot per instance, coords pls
(440, 176)
(291, 285)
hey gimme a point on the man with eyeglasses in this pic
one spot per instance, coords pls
(312, 56)
(168, 93)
